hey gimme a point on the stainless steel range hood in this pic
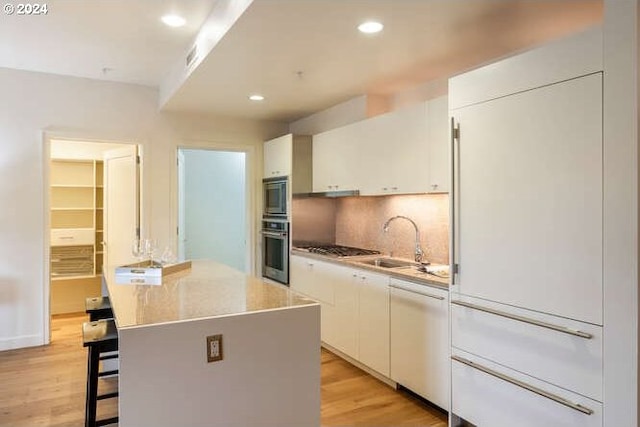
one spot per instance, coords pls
(340, 193)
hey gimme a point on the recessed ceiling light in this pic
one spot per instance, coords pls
(370, 27)
(256, 97)
(173, 20)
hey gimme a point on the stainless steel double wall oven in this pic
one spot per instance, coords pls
(275, 229)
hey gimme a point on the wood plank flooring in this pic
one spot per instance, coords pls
(45, 386)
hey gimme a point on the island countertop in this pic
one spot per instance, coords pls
(209, 289)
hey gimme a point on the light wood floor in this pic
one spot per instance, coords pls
(45, 386)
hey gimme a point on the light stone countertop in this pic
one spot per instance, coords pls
(208, 289)
(410, 274)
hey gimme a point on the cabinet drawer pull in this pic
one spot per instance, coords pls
(536, 390)
(539, 323)
(417, 292)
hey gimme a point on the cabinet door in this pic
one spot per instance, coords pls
(373, 321)
(345, 311)
(394, 153)
(438, 145)
(309, 277)
(277, 156)
(336, 159)
(419, 340)
(529, 205)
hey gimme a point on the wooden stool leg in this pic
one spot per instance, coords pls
(92, 387)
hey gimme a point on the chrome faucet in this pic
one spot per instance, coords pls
(418, 252)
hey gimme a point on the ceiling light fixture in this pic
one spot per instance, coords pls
(256, 97)
(173, 20)
(370, 27)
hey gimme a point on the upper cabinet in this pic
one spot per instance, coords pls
(395, 152)
(336, 159)
(401, 152)
(438, 144)
(289, 155)
(277, 156)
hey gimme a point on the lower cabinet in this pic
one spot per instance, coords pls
(397, 328)
(419, 340)
(489, 394)
(345, 314)
(373, 320)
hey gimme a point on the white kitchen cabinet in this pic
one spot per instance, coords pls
(336, 159)
(277, 156)
(394, 152)
(315, 279)
(311, 278)
(373, 320)
(438, 144)
(530, 182)
(401, 152)
(289, 155)
(345, 312)
(419, 339)
(489, 394)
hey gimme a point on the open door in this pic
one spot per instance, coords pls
(181, 206)
(122, 204)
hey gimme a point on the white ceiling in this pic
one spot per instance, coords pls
(83, 37)
(303, 55)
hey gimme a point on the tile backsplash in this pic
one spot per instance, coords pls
(358, 221)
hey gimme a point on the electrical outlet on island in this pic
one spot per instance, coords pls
(214, 348)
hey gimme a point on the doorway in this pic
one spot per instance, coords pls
(212, 206)
(93, 211)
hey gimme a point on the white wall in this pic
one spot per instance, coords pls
(87, 110)
(215, 214)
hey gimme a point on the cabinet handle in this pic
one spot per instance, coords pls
(438, 297)
(539, 323)
(455, 135)
(536, 390)
(394, 188)
(434, 186)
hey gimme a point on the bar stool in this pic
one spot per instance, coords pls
(100, 336)
(98, 308)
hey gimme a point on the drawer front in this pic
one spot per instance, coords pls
(514, 399)
(72, 236)
(522, 343)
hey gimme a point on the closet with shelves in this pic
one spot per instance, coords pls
(76, 218)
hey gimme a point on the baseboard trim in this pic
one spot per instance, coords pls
(368, 370)
(21, 342)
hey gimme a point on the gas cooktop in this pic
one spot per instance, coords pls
(335, 250)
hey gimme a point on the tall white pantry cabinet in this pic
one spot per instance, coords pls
(527, 299)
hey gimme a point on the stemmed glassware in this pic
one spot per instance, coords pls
(141, 248)
(137, 249)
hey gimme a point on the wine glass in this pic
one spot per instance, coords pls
(137, 249)
(150, 248)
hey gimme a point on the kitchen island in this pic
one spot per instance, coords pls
(270, 371)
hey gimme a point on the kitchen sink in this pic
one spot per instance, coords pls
(388, 263)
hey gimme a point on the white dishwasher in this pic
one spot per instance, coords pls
(419, 339)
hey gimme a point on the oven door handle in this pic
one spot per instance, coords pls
(274, 234)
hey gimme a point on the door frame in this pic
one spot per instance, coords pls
(47, 137)
(251, 194)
